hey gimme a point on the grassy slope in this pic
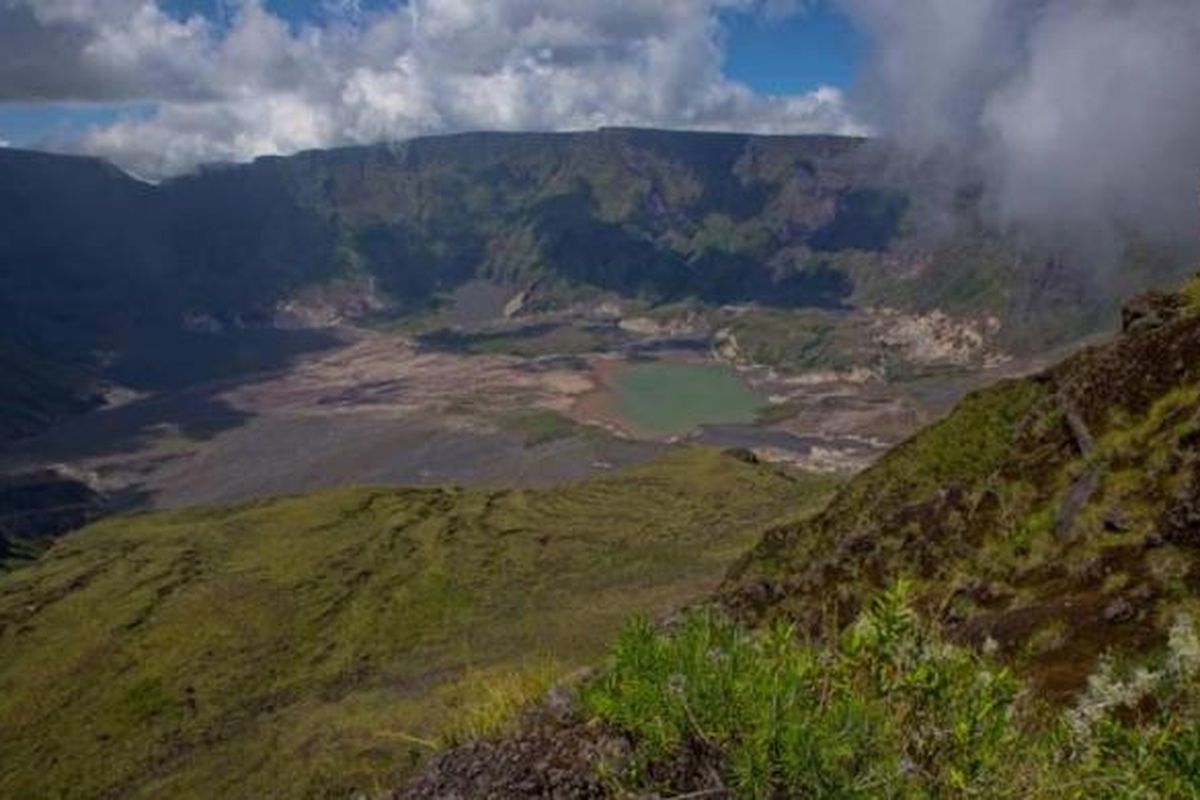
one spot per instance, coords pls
(1055, 515)
(303, 646)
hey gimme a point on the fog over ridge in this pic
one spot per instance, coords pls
(1081, 119)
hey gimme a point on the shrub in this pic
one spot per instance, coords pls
(889, 711)
(892, 711)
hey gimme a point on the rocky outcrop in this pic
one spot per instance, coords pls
(332, 304)
(1150, 310)
(937, 338)
(553, 756)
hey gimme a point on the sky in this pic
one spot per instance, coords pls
(160, 86)
(1077, 119)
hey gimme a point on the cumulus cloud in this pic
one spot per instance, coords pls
(1080, 117)
(249, 83)
(96, 50)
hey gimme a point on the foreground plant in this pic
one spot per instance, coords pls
(890, 710)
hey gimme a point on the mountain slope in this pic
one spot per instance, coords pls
(1055, 515)
(1004, 606)
(114, 276)
(314, 645)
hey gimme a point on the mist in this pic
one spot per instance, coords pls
(1079, 118)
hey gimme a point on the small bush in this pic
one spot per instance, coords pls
(890, 707)
(891, 710)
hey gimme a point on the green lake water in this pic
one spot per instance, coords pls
(669, 398)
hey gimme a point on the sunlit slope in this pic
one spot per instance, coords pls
(1056, 515)
(309, 645)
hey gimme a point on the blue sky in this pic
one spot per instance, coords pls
(792, 55)
(30, 123)
(776, 56)
(789, 55)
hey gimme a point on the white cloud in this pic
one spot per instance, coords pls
(258, 85)
(1081, 117)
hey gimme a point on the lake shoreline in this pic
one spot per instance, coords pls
(598, 405)
(623, 388)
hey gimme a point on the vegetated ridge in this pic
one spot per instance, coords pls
(320, 645)
(1004, 606)
(1058, 509)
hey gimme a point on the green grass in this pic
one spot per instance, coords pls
(532, 341)
(889, 710)
(1190, 291)
(543, 427)
(568, 339)
(805, 339)
(1067, 563)
(311, 646)
(966, 446)
(486, 702)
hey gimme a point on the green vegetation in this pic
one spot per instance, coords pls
(311, 646)
(1190, 293)
(543, 427)
(532, 341)
(17, 553)
(488, 702)
(671, 398)
(966, 447)
(889, 710)
(804, 340)
(969, 447)
(1056, 515)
